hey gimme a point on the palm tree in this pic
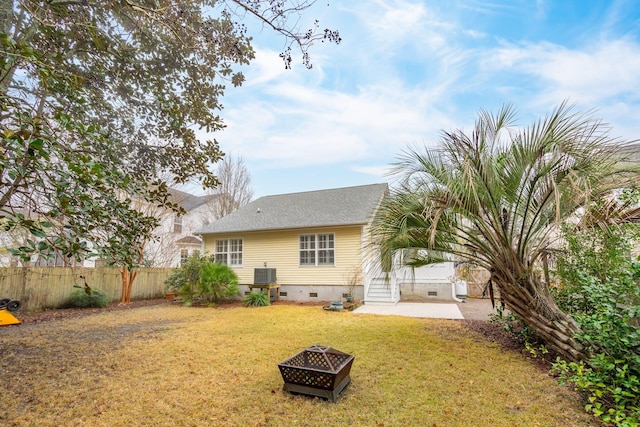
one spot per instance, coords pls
(497, 198)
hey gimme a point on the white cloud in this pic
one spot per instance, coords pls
(393, 20)
(396, 28)
(591, 75)
(301, 125)
(380, 172)
(266, 67)
(474, 34)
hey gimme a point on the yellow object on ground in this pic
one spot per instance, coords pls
(7, 318)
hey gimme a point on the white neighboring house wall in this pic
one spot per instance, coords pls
(175, 239)
(17, 239)
(430, 282)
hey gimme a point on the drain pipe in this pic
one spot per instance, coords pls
(453, 293)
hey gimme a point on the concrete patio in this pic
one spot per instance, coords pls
(471, 309)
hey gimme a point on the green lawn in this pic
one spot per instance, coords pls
(168, 365)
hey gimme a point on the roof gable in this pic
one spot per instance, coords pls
(190, 201)
(323, 208)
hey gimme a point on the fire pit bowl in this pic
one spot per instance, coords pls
(317, 371)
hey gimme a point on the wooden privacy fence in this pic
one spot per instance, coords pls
(40, 288)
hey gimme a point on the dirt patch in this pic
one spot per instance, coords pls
(476, 308)
(493, 332)
(69, 313)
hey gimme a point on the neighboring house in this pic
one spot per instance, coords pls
(314, 240)
(17, 238)
(175, 234)
(174, 240)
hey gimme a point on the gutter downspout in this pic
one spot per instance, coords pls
(453, 293)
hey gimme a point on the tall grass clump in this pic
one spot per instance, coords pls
(256, 299)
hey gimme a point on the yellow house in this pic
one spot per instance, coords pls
(307, 245)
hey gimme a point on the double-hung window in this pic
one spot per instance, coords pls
(228, 251)
(177, 224)
(235, 252)
(317, 249)
(184, 255)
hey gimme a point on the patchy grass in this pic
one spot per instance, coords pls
(176, 366)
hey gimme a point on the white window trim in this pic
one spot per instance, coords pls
(316, 250)
(184, 251)
(177, 223)
(228, 251)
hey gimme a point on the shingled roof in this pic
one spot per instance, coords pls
(189, 201)
(323, 208)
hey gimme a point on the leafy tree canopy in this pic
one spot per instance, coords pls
(99, 98)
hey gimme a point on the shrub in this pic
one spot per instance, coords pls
(611, 378)
(600, 287)
(217, 282)
(513, 324)
(88, 298)
(256, 299)
(183, 279)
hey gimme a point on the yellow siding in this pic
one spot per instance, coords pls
(279, 249)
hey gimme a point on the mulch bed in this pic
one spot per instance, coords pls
(493, 332)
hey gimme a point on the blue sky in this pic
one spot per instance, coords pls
(407, 70)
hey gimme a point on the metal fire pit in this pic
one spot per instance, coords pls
(317, 371)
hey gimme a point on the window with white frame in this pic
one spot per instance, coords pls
(228, 251)
(326, 250)
(235, 251)
(317, 249)
(184, 255)
(177, 224)
(221, 251)
(308, 249)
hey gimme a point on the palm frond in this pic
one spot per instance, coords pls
(498, 196)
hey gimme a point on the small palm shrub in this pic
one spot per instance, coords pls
(217, 282)
(201, 279)
(256, 299)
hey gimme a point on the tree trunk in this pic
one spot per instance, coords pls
(128, 276)
(556, 328)
(124, 275)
